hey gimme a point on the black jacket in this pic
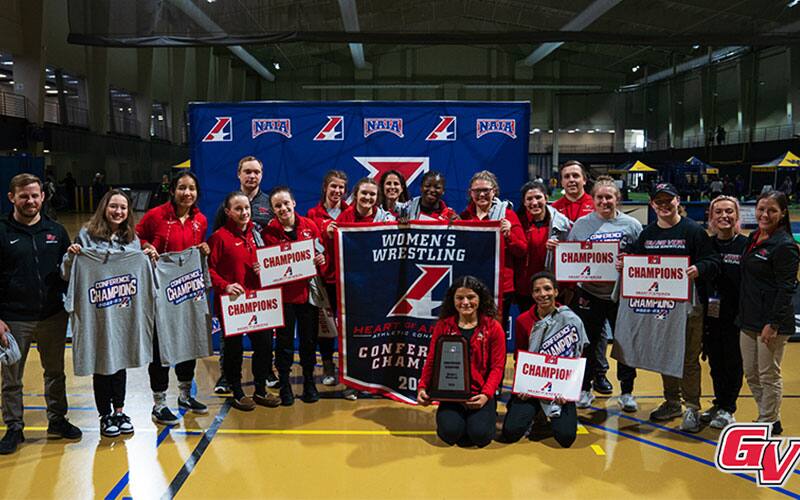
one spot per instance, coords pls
(31, 287)
(769, 279)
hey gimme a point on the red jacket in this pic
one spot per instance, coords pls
(162, 228)
(442, 212)
(274, 234)
(533, 260)
(574, 210)
(319, 214)
(487, 354)
(513, 245)
(351, 215)
(233, 254)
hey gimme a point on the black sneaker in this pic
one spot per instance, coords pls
(222, 387)
(310, 392)
(287, 395)
(164, 416)
(272, 380)
(10, 441)
(108, 426)
(777, 428)
(192, 405)
(63, 429)
(602, 385)
(123, 423)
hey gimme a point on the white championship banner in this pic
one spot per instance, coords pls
(286, 262)
(547, 377)
(655, 277)
(586, 261)
(252, 311)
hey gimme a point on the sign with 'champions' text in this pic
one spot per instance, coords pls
(392, 284)
(655, 277)
(286, 262)
(548, 377)
(586, 261)
(252, 311)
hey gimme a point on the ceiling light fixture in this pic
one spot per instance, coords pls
(635, 68)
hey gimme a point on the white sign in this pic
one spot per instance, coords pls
(586, 261)
(548, 377)
(286, 262)
(655, 277)
(252, 311)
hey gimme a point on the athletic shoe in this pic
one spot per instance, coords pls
(350, 394)
(267, 400)
(666, 411)
(272, 380)
(310, 393)
(328, 373)
(243, 404)
(222, 387)
(602, 385)
(287, 395)
(108, 426)
(586, 399)
(123, 423)
(721, 420)
(10, 441)
(691, 421)
(628, 403)
(163, 416)
(777, 428)
(708, 415)
(192, 405)
(61, 428)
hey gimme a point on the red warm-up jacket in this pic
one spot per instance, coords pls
(322, 218)
(487, 354)
(574, 210)
(274, 234)
(233, 253)
(513, 245)
(162, 228)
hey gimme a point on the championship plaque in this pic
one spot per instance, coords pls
(451, 380)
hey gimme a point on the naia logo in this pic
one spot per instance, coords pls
(253, 320)
(653, 287)
(548, 387)
(444, 131)
(222, 131)
(391, 125)
(409, 166)
(751, 449)
(333, 130)
(282, 126)
(418, 301)
(485, 126)
(288, 272)
(587, 271)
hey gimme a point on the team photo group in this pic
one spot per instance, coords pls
(566, 277)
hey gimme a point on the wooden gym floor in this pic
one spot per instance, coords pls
(370, 448)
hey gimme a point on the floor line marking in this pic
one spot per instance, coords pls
(598, 450)
(582, 430)
(319, 432)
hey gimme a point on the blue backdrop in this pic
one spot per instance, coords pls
(299, 141)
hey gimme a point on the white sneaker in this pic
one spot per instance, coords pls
(628, 403)
(721, 420)
(708, 415)
(586, 399)
(691, 421)
(329, 380)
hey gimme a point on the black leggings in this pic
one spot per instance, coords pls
(306, 317)
(521, 413)
(159, 375)
(454, 423)
(109, 392)
(721, 345)
(233, 361)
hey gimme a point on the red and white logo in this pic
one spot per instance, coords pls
(390, 125)
(444, 131)
(409, 166)
(750, 448)
(485, 126)
(222, 131)
(418, 301)
(282, 126)
(333, 130)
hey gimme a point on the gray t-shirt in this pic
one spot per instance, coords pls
(183, 319)
(110, 303)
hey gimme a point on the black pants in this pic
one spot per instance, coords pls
(524, 302)
(521, 413)
(594, 312)
(454, 423)
(306, 317)
(721, 345)
(508, 301)
(327, 345)
(109, 392)
(233, 361)
(159, 375)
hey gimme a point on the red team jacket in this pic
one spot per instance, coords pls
(533, 260)
(442, 212)
(322, 218)
(297, 291)
(574, 210)
(233, 253)
(161, 228)
(487, 353)
(514, 245)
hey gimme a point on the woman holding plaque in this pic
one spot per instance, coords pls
(769, 279)
(485, 204)
(288, 227)
(552, 329)
(543, 226)
(429, 205)
(593, 302)
(468, 312)
(234, 268)
(393, 193)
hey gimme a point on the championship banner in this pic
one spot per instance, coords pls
(252, 311)
(299, 141)
(392, 281)
(655, 277)
(586, 261)
(286, 262)
(547, 377)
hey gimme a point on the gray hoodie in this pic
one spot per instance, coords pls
(559, 229)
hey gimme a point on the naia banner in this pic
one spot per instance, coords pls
(392, 282)
(299, 141)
